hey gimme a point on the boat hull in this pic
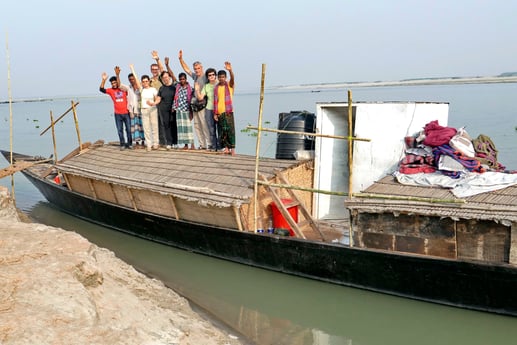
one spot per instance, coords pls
(472, 285)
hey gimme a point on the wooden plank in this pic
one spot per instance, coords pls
(76, 152)
(283, 209)
(303, 209)
(65, 176)
(114, 193)
(173, 204)
(132, 199)
(92, 188)
(17, 166)
(238, 217)
(48, 171)
(513, 244)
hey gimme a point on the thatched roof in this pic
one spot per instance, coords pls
(193, 175)
(387, 195)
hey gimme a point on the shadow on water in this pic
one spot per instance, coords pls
(273, 308)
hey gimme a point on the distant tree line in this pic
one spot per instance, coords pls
(508, 74)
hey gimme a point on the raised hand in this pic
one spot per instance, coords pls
(104, 76)
(154, 53)
(228, 65)
(117, 70)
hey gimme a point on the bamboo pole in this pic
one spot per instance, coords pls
(307, 133)
(289, 186)
(365, 195)
(10, 113)
(59, 118)
(350, 143)
(77, 127)
(257, 148)
(350, 158)
(53, 136)
(408, 198)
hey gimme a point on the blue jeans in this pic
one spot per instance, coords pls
(122, 120)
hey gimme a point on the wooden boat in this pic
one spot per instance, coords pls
(212, 204)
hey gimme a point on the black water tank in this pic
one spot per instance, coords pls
(288, 144)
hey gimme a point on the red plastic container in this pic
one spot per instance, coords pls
(279, 221)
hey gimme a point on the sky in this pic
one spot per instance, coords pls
(60, 48)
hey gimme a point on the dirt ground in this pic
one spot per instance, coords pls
(58, 288)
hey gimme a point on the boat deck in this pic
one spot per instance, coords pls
(387, 195)
(200, 177)
(211, 178)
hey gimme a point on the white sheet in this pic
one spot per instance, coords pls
(468, 184)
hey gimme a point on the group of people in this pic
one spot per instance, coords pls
(160, 110)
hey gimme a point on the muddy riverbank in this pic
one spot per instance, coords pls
(58, 288)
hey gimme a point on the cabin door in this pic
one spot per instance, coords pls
(331, 162)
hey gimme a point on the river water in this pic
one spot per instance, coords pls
(268, 307)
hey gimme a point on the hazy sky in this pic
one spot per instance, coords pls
(62, 47)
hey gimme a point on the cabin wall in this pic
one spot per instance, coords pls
(411, 234)
(464, 239)
(301, 176)
(385, 124)
(153, 202)
(513, 244)
(483, 240)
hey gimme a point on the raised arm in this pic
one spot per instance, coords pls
(103, 82)
(156, 58)
(228, 67)
(169, 70)
(117, 74)
(132, 68)
(184, 65)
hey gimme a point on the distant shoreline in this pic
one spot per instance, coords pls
(406, 82)
(28, 100)
(342, 85)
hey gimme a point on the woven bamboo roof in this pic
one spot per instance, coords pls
(387, 195)
(195, 175)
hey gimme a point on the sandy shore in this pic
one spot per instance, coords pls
(58, 288)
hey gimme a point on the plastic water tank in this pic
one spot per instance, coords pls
(288, 144)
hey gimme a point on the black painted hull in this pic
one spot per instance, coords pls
(464, 284)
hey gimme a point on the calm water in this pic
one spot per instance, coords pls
(267, 307)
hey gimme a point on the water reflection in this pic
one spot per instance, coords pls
(273, 308)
